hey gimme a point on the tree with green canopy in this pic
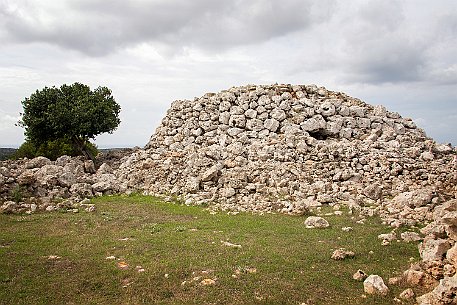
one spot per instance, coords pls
(72, 112)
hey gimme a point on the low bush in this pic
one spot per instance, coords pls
(51, 149)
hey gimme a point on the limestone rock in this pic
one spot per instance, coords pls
(410, 236)
(359, 275)
(63, 160)
(451, 255)
(271, 124)
(192, 184)
(443, 148)
(27, 177)
(278, 114)
(374, 284)
(444, 293)
(413, 199)
(104, 169)
(211, 173)
(66, 178)
(48, 172)
(433, 249)
(427, 156)
(373, 191)
(37, 162)
(228, 192)
(316, 222)
(8, 207)
(387, 236)
(83, 190)
(89, 167)
(450, 218)
(104, 183)
(341, 254)
(407, 294)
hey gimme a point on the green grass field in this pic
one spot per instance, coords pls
(180, 248)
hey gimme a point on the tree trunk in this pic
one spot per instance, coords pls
(81, 145)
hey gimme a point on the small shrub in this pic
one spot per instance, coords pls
(26, 150)
(52, 149)
(18, 194)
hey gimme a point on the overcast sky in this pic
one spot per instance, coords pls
(402, 54)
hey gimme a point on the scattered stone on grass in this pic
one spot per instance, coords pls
(346, 229)
(199, 277)
(208, 271)
(90, 209)
(316, 222)
(207, 282)
(139, 269)
(385, 242)
(243, 270)
(112, 257)
(122, 265)
(410, 236)
(50, 208)
(387, 236)
(342, 253)
(359, 275)
(374, 284)
(126, 282)
(229, 244)
(53, 257)
(233, 213)
(84, 201)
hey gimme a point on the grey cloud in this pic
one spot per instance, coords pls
(97, 28)
(405, 43)
(379, 62)
(379, 50)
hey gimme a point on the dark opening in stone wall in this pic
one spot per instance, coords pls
(320, 134)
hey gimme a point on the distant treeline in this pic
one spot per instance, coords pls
(5, 153)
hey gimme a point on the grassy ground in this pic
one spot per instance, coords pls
(279, 262)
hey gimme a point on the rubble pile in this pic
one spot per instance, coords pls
(285, 148)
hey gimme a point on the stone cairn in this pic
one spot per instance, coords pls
(279, 148)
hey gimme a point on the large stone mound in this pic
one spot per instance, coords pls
(284, 147)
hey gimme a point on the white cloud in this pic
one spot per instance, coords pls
(7, 121)
(97, 29)
(397, 53)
